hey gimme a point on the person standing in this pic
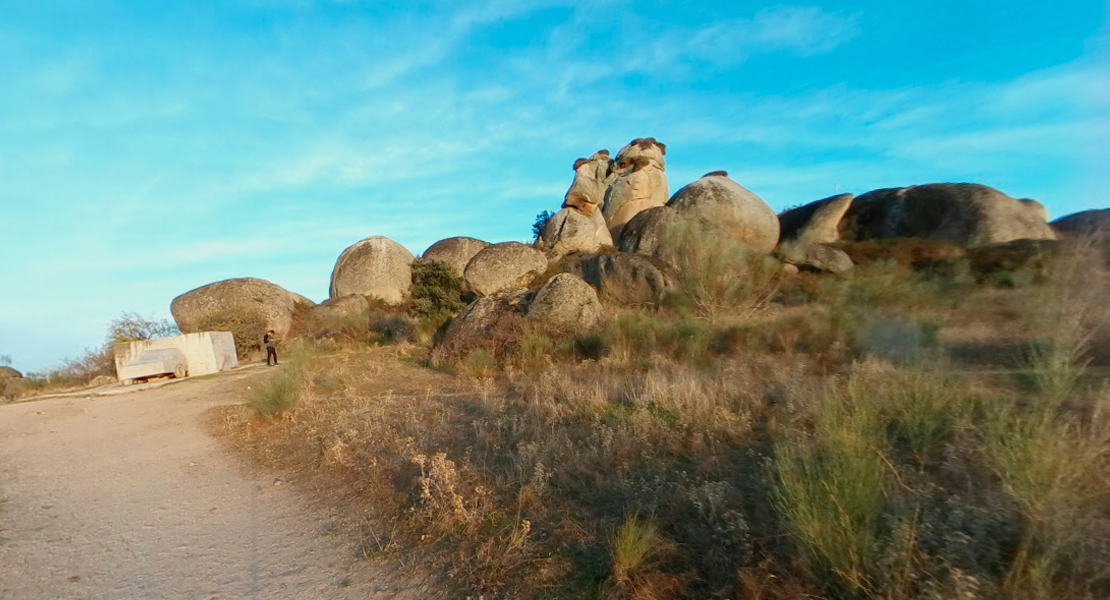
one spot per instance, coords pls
(269, 340)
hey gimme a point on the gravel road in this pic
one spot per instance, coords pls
(128, 496)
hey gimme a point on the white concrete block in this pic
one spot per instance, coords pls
(206, 352)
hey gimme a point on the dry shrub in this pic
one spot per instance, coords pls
(715, 273)
(911, 253)
(246, 328)
(342, 329)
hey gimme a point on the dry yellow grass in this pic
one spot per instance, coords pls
(794, 452)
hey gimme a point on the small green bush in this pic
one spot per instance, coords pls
(436, 291)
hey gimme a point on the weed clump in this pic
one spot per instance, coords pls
(282, 390)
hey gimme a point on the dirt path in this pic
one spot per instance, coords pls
(129, 497)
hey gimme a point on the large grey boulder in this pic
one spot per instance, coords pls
(570, 230)
(815, 223)
(455, 252)
(376, 266)
(626, 279)
(724, 207)
(247, 302)
(479, 324)
(646, 233)
(503, 266)
(966, 214)
(638, 183)
(565, 301)
(1086, 223)
(591, 178)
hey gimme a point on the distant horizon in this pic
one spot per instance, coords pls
(149, 150)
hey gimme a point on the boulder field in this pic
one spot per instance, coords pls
(616, 239)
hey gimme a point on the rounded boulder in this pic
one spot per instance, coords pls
(244, 306)
(565, 301)
(815, 223)
(478, 325)
(503, 266)
(455, 252)
(376, 266)
(1086, 223)
(966, 214)
(646, 232)
(626, 279)
(572, 231)
(723, 205)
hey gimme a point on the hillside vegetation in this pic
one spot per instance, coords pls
(920, 427)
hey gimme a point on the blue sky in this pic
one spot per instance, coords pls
(147, 148)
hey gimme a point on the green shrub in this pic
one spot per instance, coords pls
(832, 490)
(541, 222)
(635, 544)
(436, 292)
(479, 362)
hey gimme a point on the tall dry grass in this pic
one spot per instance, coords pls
(776, 454)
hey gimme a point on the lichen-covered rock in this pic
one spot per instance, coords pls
(339, 312)
(966, 214)
(503, 266)
(456, 252)
(479, 324)
(570, 230)
(626, 279)
(638, 183)
(1086, 223)
(565, 301)
(300, 302)
(376, 267)
(724, 206)
(236, 305)
(647, 148)
(646, 233)
(591, 178)
(816, 222)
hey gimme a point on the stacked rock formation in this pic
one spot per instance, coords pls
(579, 226)
(619, 238)
(639, 183)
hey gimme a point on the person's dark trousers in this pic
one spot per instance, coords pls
(271, 352)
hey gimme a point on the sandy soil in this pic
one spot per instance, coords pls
(128, 496)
